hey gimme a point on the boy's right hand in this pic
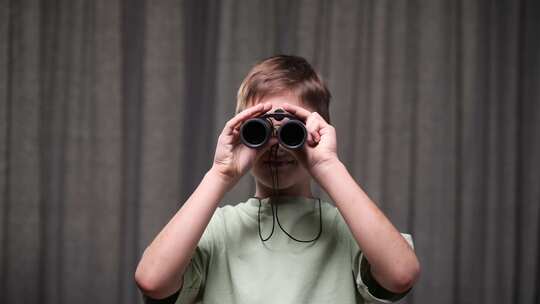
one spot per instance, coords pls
(233, 159)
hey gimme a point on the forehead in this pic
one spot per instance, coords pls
(278, 100)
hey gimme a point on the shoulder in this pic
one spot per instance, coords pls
(230, 218)
(218, 230)
(228, 211)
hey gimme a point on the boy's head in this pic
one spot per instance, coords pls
(280, 75)
(277, 80)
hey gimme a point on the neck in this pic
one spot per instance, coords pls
(302, 189)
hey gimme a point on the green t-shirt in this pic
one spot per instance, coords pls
(232, 265)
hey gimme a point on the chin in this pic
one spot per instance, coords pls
(288, 176)
(282, 185)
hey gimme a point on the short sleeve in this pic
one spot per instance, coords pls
(366, 285)
(370, 290)
(195, 274)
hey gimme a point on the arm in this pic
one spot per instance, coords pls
(162, 266)
(393, 263)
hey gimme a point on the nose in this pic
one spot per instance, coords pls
(278, 151)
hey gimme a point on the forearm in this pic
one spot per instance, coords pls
(164, 261)
(393, 263)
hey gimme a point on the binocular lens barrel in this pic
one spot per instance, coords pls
(256, 132)
(292, 134)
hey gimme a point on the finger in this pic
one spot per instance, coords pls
(309, 138)
(313, 126)
(235, 133)
(297, 111)
(244, 115)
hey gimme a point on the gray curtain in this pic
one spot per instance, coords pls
(110, 110)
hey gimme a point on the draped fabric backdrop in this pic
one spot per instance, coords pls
(110, 110)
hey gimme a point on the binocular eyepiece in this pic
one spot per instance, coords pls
(255, 132)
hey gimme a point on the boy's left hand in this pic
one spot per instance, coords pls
(321, 145)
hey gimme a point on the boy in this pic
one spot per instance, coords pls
(238, 254)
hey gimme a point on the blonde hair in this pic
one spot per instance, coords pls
(284, 74)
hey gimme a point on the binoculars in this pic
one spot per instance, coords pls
(255, 132)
